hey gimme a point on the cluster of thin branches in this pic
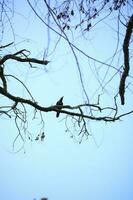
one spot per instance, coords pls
(62, 15)
(6, 16)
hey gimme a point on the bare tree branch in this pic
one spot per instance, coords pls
(7, 45)
(17, 58)
(56, 108)
(126, 60)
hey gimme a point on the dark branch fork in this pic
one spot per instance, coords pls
(19, 56)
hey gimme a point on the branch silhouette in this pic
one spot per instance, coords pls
(126, 60)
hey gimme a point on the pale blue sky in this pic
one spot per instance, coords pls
(60, 168)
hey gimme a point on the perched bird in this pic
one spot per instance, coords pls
(59, 103)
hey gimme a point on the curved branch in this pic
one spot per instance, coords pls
(9, 75)
(126, 60)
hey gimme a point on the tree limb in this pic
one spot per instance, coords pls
(55, 108)
(126, 60)
(17, 58)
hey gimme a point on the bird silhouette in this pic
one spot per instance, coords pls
(59, 103)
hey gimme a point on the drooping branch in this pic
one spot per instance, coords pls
(126, 60)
